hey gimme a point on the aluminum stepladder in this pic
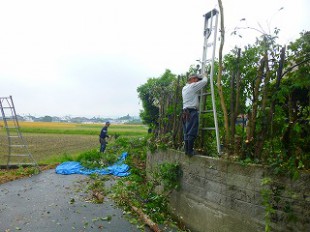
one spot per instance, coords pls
(208, 56)
(18, 152)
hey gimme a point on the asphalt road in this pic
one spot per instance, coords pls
(50, 202)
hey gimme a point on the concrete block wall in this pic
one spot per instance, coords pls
(218, 195)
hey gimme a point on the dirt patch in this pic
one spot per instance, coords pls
(7, 175)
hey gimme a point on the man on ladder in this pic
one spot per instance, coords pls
(193, 93)
(190, 117)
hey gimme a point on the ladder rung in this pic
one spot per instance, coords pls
(208, 128)
(18, 145)
(207, 111)
(18, 155)
(7, 107)
(10, 127)
(22, 164)
(207, 93)
(14, 136)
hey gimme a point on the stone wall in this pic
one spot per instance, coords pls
(217, 195)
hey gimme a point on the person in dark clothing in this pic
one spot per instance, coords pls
(102, 137)
(190, 93)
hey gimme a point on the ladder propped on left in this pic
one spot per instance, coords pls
(18, 152)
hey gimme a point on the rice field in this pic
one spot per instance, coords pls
(49, 141)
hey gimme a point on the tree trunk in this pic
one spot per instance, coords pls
(176, 115)
(232, 112)
(235, 101)
(237, 104)
(219, 77)
(265, 93)
(256, 93)
(279, 77)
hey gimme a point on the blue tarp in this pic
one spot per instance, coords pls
(73, 167)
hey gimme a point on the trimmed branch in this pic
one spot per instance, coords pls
(154, 227)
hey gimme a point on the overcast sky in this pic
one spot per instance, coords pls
(87, 57)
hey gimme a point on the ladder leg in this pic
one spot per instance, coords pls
(210, 28)
(17, 146)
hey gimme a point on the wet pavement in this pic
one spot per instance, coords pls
(50, 202)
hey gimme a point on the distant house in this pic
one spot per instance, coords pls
(241, 119)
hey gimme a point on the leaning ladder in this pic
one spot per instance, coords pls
(208, 60)
(18, 152)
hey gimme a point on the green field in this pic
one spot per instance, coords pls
(49, 142)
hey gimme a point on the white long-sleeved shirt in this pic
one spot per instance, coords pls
(190, 93)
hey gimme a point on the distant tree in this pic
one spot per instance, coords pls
(47, 119)
(127, 117)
